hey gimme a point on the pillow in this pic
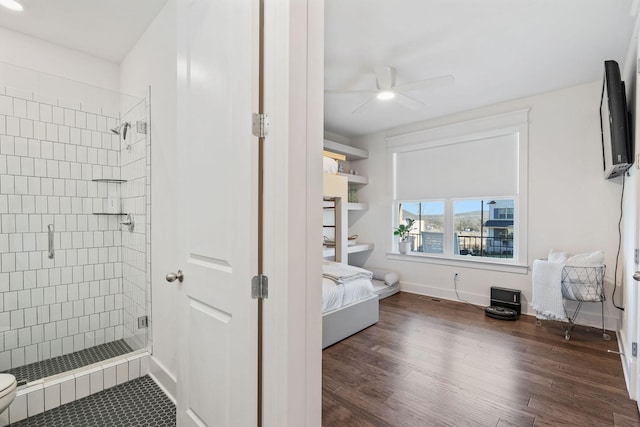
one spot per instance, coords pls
(388, 277)
(558, 257)
(590, 259)
(329, 165)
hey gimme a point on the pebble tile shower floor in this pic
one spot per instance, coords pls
(136, 403)
(68, 362)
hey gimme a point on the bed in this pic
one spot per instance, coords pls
(385, 283)
(353, 306)
(349, 307)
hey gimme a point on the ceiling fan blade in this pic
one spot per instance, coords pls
(426, 83)
(364, 106)
(385, 76)
(408, 101)
(348, 92)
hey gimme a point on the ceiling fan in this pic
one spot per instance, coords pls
(388, 90)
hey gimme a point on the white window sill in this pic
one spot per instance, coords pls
(481, 264)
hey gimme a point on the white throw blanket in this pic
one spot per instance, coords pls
(547, 290)
(342, 273)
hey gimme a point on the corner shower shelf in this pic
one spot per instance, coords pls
(118, 181)
(105, 213)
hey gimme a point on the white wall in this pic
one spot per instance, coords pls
(571, 206)
(36, 54)
(152, 62)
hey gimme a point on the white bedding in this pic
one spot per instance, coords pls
(343, 273)
(336, 295)
(329, 165)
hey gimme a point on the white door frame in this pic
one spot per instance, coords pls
(631, 318)
(629, 327)
(294, 73)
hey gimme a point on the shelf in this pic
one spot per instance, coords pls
(350, 206)
(352, 153)
(105, 213)
(118, 181)
(358, 247)
(355, 179)
(358, 206)
(354, 182)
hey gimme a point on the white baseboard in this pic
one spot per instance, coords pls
(165, 380)
(624, 348)
(589, 316)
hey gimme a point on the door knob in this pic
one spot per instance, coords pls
(171, 277)
(636, 276)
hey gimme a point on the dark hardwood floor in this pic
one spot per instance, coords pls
(432, 362)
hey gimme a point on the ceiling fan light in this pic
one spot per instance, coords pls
(12, 5)
(385, 95)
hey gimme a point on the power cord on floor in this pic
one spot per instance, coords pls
(455, 287)
(615, 271)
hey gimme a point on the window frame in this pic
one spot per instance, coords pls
(512, 123)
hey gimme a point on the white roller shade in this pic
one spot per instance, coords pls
(477, 168)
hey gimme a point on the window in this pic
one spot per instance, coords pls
(428, 231)
(479, 230)
(504, 213)
(480, 227)
(465, 185)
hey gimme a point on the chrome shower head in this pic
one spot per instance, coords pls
(123, 127)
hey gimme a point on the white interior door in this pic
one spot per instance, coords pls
(217, 202)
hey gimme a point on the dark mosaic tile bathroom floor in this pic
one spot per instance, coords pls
(78, 359)
(136, 403)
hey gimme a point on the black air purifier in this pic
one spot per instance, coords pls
(505, 304)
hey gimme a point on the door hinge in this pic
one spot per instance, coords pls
(634, 349)
(260, 287)
(141, 127)
(260, 125)
(143, 322)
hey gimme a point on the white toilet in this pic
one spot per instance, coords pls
(7, 390)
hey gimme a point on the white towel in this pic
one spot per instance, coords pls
(547, 290)
(341, 273)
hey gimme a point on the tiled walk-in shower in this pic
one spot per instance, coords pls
(74, 224)
(136, 403)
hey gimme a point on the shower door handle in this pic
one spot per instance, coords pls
(171, 277)
(50, 240)
(636, 276)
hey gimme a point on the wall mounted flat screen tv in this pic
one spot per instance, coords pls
(617, 152)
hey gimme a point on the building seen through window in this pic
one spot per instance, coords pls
(481, 227)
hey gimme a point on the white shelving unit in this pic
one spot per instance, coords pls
(360, 247)
(351, 154)
(355, 179)
(357, 206)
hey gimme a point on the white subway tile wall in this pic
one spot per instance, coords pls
(50, 153)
